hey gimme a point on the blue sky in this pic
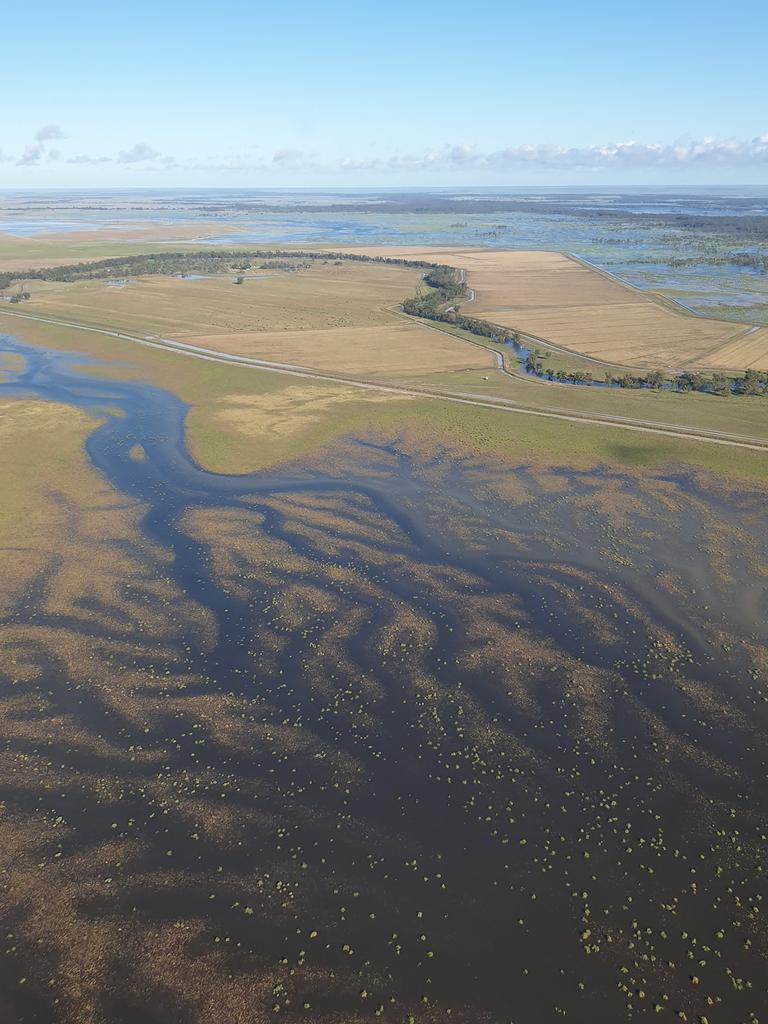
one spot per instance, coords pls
(384, 93)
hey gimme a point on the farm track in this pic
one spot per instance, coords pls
(461, 398)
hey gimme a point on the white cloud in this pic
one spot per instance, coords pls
(284, 157)
(48, 132)
(464, 157)
(31, 155)
(84, 158)
(138, 153)
(708, 152)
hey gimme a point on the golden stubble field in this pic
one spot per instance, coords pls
(558, 299)
(334, 318)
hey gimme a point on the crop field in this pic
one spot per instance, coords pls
(327, 317)
(561, 300)
(546, 294)
(640, 334)
(381, 351)
(748, 349)
(316, 298)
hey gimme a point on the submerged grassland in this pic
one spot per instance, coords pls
(396, 733)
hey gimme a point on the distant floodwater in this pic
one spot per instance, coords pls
(651, 239)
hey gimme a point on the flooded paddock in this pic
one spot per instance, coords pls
(388, 734)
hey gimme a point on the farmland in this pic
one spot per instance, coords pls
(549, 295)
(314, 298)
(327, 317)
(560, 300)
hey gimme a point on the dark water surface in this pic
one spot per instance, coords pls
(461, 743)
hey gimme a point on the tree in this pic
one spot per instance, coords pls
(690, 381)
(752, 383)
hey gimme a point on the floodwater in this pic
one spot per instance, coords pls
(629, 243)
(461, 742)
(28, 228)
(640, 254)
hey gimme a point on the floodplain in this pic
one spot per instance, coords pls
(328, 704)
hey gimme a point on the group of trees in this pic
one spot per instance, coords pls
(446, 288)
(432, 306)
(753, 382)
(425, 307)
(447, 281)
(285, 265)
(208, 261)
(654, 379)
(534, 365)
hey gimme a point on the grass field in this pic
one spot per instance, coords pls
(57, 510)
(559, 299)
(328, 317)
(320, 297)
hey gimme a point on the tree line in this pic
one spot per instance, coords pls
(751, 382)
(438, 305)
(204, 262)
